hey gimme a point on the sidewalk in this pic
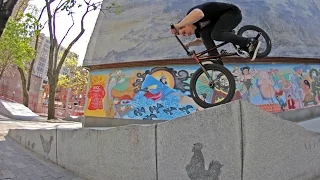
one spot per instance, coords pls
(17, 162)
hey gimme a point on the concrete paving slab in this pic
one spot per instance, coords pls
(28, 165)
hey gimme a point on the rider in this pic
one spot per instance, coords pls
(215, 21)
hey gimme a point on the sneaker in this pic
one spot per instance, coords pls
(253, 48)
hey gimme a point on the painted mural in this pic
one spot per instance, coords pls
(96, 96)
(162, 93)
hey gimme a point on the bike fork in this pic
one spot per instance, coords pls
(205, 71)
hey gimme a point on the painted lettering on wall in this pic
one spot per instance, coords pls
(162, 93)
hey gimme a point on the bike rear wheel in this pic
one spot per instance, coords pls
(251, 31)
(220, 91)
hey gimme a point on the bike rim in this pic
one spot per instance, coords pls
(209, 95)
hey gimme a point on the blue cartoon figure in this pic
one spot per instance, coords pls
(281, 102)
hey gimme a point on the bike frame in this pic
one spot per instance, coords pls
(198, 56)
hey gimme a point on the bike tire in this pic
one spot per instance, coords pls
(264, 35)
(213, 67)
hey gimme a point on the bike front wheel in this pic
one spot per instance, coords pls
(218, 89)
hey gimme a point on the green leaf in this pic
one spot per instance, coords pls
(15, 42)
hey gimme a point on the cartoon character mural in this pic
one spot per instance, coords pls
(159, 93)
(162, 93)
(96, 96)
(315, 82)
(244, 78)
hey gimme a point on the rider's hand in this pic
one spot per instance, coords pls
(174, 31)
(187, 45)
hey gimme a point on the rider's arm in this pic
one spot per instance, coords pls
(196, 42)
(194, 16)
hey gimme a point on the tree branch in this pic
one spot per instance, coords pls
(41, 12)
(32, 63)
(65, 53)
(54, 32)
(87, 3)
(67, 31)
(54, 18)
(48, 4)
(35, 47)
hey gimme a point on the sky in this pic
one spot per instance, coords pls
(64, 21)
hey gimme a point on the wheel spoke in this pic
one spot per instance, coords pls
(210, 95)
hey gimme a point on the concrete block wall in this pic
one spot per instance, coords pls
(299, 115)
(186, 146)
(233, 141)
(116, 153)
(277, 149)
(41, 141)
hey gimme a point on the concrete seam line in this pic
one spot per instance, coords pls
(25, 138)
(241, 139)
(57, 146)
(156, 149)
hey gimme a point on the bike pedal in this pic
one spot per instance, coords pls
(243, 53)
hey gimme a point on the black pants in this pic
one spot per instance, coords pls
(221, 31)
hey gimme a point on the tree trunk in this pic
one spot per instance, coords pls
(52, 93)
(24, 88)
(2, 72)
(6, 9)
(32, 63)
(3, 69)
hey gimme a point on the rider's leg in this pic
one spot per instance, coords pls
(209, 43)
(223, 28)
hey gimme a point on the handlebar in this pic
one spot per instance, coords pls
(188, 52)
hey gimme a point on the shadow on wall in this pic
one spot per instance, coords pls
(162, 93)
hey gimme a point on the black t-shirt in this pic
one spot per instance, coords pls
(212, 12)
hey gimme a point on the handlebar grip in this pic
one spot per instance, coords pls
(172, 26)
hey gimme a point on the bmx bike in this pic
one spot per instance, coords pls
(221, 84)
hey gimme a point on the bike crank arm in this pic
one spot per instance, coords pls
(258, 35)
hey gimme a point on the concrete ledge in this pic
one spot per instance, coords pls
(19, 135)
(203, 145)
(275, 148)
(17, 111)
(115, 153)
(77, 151)
(113, 122)
(233, 141)
(300, 115)
(41, 141)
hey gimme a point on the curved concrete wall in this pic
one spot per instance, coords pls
(232, 141)
(141, 31)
